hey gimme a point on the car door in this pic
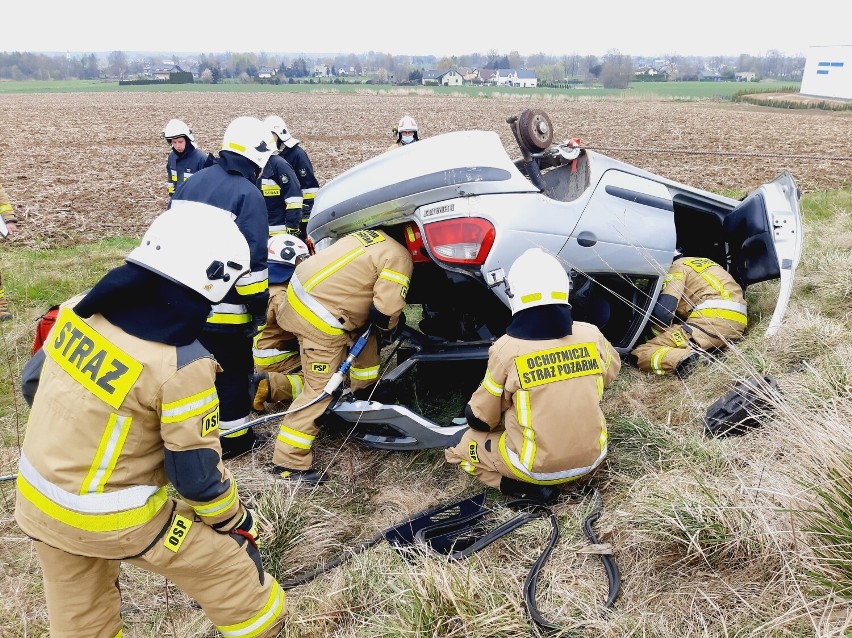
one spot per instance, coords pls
(764, 236)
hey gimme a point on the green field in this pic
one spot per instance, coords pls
(641, 90)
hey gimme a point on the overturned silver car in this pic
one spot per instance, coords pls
(466, 210)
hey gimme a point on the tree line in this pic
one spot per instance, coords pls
(614, 69)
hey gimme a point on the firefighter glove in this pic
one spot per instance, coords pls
(247, 528)
(386, 336)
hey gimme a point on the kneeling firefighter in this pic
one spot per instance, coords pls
(361, 279)
(536, 421)
(276, 351)
(126, 405)
(710, 310)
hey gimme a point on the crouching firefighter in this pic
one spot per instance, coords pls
(276, 351)
(127, 405)
(535, 421)
(361, 279)
(700, 305)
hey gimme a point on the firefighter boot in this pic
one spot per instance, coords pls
(236, 445)
(528, 491)
(686, 366)
(309, 476)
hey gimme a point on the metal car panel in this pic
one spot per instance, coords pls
(785, 219)
(389, 187)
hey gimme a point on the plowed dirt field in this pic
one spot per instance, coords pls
(84, 166)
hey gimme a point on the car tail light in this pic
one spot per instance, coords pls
(460, 241)
(414, 243)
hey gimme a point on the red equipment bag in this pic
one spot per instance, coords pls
(43, 326)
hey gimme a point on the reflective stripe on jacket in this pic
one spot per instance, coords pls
(547, 394)
(274, 344)
(115, 417)
(237, 194)
(334, 289)
(283, 195)
(704, 290)
(180, 168)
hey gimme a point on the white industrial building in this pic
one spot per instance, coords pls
(828, 72)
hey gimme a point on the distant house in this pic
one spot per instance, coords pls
(519, 78)
(430, 76)
(525, 79)
(266, 72)
(470, 76)
(504, 77)
(709, 76)
(488, 76)
(450, 77)
(321, 70)
(745, 76)
(164, 72)
(646, 71)
(650, 72)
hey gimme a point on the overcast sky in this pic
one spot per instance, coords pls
(438, 27)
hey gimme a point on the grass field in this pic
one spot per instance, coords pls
(639, 90)
(718, 538)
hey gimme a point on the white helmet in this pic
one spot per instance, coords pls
(195, 245)
(177, 128)
(251, 138)
(278, 126)
(286, 249)
(537, 279)
(284, 252)
(407, 123)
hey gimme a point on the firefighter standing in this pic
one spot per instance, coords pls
(711, 311)
(406, 132)
(10, 221)
(127, 405)
(536, 421)
(185, 158)
(276, 351)
(291, 150)
(361, 279)
(231, 185)
(283, 195)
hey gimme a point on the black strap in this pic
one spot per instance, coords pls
(532, 575)
(460, 536)
(401, 534)
(613, 576)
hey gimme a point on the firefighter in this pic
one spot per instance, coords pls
(406, 132)
(535, 421)
(276, 351)
(291, 150)
(10, 222)
(362, 279)
(231, 185)
(133, 391)
(185, 158)
(283, 194)
(700, 306)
